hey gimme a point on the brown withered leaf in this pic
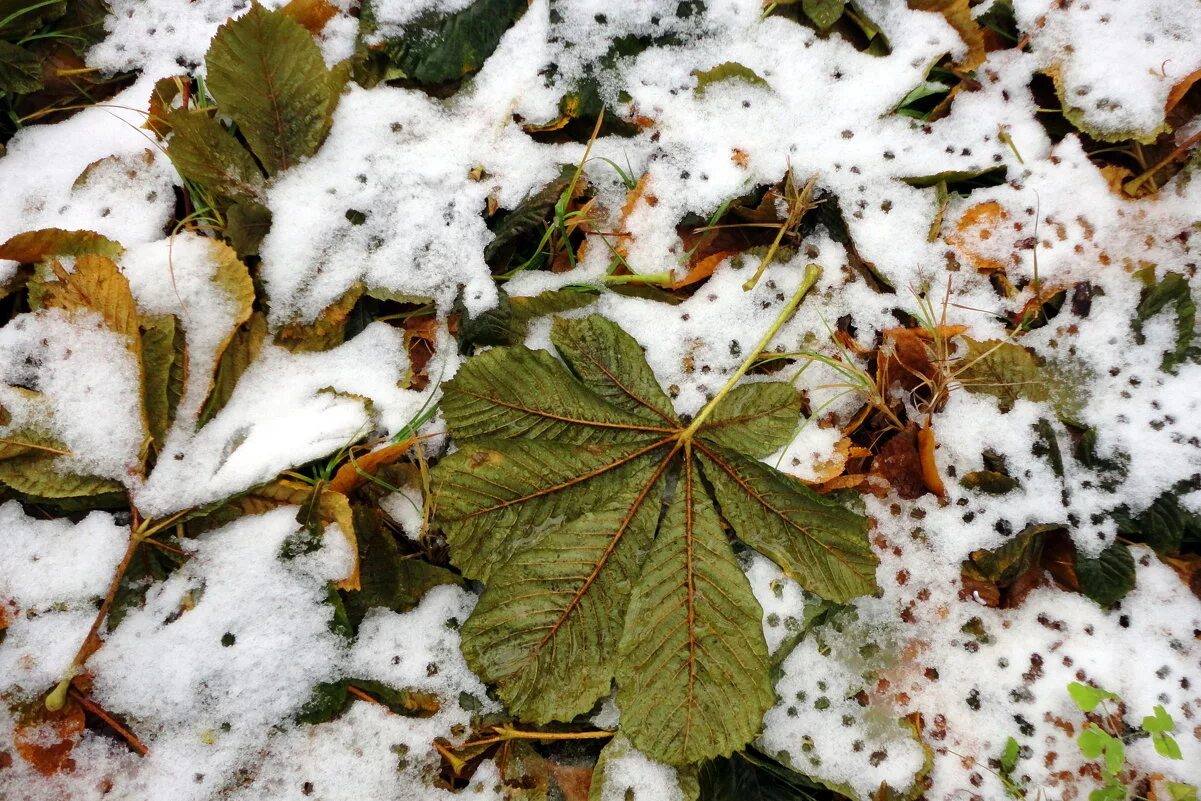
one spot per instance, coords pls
(94, 285)
(925, 449)
(45, 739)
(958, 15)
(974, 229)
(899, 463)
(326, 332)
(332, 507)
(32, 247)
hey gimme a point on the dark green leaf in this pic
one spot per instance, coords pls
(530, 217)
(20, 70)
(162, 339)
(388, 580)
(203, 151)
(518, 392)
(1170, 293)
(1107, 578)
(440, 48)
(19, 18)
(1165, 525)
(824, 13)
(246, 223)
(752, 776)
(1004, 564)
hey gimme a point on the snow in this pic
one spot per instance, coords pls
(51, 572)
(313, 402)
(127, 195)
(74, 365)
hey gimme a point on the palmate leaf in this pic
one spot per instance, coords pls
(555, 500)
(268, 76)
(694, 676)
(203, 151)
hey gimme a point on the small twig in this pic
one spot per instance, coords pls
(1132, 186)
(362, 696)
(112, 722)
(503, 733)
(796, 211)
(812, 273)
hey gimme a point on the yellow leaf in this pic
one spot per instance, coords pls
(33, 246)
(959, 16)
(95, 285)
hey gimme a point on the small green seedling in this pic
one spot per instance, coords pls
(1158, 726)
(1009, 764)
(1087, 698)
(1096, 742)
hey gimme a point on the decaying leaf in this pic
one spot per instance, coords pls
(554, 501)
(312, 14)
(45, 739)
(32, 247)
(958, 15)
(976, 226)
(319, 507)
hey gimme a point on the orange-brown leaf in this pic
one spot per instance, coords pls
(350, 475)
(1180, 90)
(958, 15)
(978, 225)
(45, 739)
(925, 450)
(898, 462)
(312, 14)
(701, 269)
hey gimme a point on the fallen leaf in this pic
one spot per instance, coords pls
(975, 227)
(898, 462)
(579, 453)
(930, 476)
(312, 14)
(45, 739)
(350, 475)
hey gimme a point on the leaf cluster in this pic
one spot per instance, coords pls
(265, 74)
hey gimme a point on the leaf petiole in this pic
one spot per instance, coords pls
(812, 273)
